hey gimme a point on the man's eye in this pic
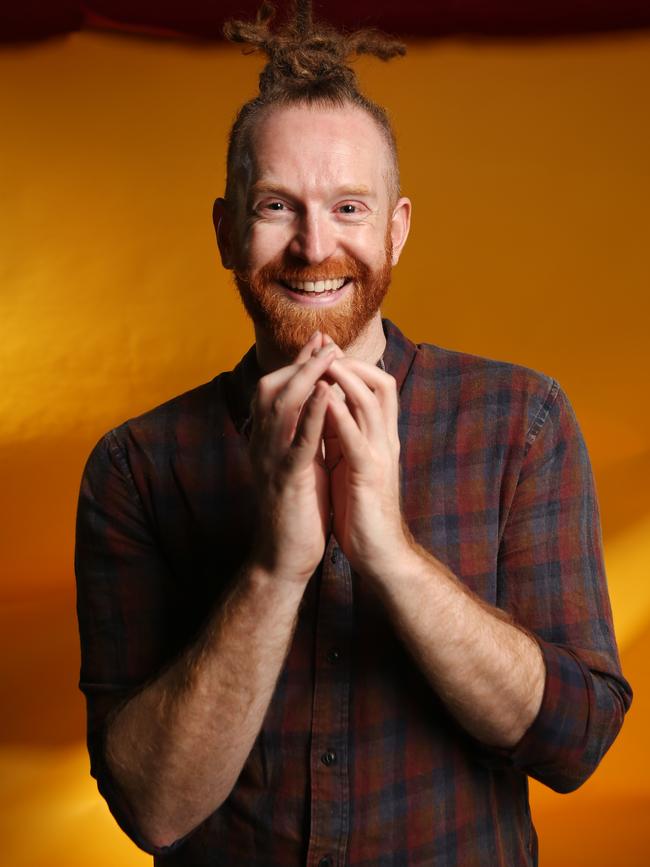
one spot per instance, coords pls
(348, 209)
(276, 206)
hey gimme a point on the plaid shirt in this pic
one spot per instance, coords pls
(358, 762)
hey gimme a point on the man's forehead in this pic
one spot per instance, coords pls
(343, 144)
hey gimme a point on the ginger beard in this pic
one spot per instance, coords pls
(290, 325)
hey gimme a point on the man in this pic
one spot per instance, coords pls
(344, 626)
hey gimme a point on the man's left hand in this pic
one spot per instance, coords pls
(362, 451)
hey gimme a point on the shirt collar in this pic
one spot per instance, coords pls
(241, 382)
(399, 354)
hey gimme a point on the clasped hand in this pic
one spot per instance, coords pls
(325, 447)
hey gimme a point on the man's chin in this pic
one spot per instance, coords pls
(291, 327)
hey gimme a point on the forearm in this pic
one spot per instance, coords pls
(177, 748)
(489, 673)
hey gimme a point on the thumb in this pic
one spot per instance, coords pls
(331, 443)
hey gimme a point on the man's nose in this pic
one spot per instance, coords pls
(315, 239)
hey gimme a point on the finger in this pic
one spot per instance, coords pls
(314, 343)
(351, 441)
(272, 383)
(361, 400)
(331, 444)
(382, 384)
(309, 433)
(287, 405)
(328, 340)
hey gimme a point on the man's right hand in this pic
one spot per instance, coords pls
(292, 484)
(191, 729)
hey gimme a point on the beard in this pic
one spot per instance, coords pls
(290, 325)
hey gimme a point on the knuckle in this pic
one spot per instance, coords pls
(291, 460)
(278, 404)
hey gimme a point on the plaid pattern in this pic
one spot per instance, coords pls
(358, 762)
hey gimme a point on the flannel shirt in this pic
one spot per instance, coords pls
(358, 762)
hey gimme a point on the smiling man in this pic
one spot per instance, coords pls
(338, 604)
(313, 227)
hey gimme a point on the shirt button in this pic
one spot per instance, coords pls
(334, 555)
(328, 758)
(325, 862)
(333, 655)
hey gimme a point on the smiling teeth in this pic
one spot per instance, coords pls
(317, 286)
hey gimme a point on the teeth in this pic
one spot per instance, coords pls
(317, 286)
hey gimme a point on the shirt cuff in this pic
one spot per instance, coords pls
(552, 748)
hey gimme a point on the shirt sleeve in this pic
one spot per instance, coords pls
(121, 581)
(552, 580)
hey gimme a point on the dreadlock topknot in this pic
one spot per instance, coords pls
(307, 62)
(302, 55)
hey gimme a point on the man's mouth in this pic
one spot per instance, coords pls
(316, 287)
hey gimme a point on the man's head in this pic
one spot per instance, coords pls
(312, 221)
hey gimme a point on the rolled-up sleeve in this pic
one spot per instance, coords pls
(552, 581)
(120, 606)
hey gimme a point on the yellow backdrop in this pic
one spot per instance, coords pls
(528, 167)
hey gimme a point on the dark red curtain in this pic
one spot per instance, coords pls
(203, 19)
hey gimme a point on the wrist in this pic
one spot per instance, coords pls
(273, 565)
(266, 578)
(410, 562)
(398, 561)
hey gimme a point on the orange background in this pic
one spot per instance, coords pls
(528, 167)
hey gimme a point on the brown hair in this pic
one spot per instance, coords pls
(307, 63)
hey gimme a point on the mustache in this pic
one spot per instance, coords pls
(330, 270)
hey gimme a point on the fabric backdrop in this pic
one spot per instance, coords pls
(527, 162)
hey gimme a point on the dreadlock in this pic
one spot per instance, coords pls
(307, 64)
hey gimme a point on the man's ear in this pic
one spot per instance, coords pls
(400, 226)
(222, 219)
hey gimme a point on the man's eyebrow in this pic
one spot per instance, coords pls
(359, 190)
(268, 187)
(261, 187)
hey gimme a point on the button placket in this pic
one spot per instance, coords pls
(329, 779)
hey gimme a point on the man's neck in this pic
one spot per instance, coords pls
(369, 346)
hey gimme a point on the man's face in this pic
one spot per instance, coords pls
(315, 234)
